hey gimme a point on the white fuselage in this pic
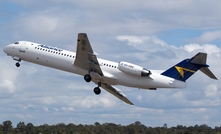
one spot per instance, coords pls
(64, 60)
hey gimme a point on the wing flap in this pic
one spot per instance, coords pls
(116, 92)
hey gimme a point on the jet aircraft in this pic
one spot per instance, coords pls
(105, 73)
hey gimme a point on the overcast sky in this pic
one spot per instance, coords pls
(153, 34)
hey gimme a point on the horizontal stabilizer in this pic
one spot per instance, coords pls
(207, 72)
(199, 58)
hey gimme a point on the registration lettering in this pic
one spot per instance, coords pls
(129, 66)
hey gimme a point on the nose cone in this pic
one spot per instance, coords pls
(7, 49)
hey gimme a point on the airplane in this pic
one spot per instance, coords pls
(105, 73)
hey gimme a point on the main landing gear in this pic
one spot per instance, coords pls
(17, 64)
(87, 78)
(97, 89)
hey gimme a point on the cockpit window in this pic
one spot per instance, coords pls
(16, 42)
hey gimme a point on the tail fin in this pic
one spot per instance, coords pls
(186, 68)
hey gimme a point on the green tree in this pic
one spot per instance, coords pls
(7, 127)
(137, 123)
(165, 126)
(46, 129)
(97, 124)
(21, 127)
(30, 129)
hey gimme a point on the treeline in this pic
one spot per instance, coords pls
(106, 128)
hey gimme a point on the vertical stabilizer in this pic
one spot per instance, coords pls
(186, 68)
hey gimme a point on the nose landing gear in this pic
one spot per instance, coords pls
(17, 64)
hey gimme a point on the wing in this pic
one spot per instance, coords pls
(116, 92)
(87, 59)
(85, 56)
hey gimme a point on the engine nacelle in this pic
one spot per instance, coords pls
(132, 69)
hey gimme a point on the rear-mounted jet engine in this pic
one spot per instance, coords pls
(133, 69)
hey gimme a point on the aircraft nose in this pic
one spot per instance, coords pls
(6, 49)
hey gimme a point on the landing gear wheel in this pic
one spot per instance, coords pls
(17, 64)
(87, 78)
(97, 90)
